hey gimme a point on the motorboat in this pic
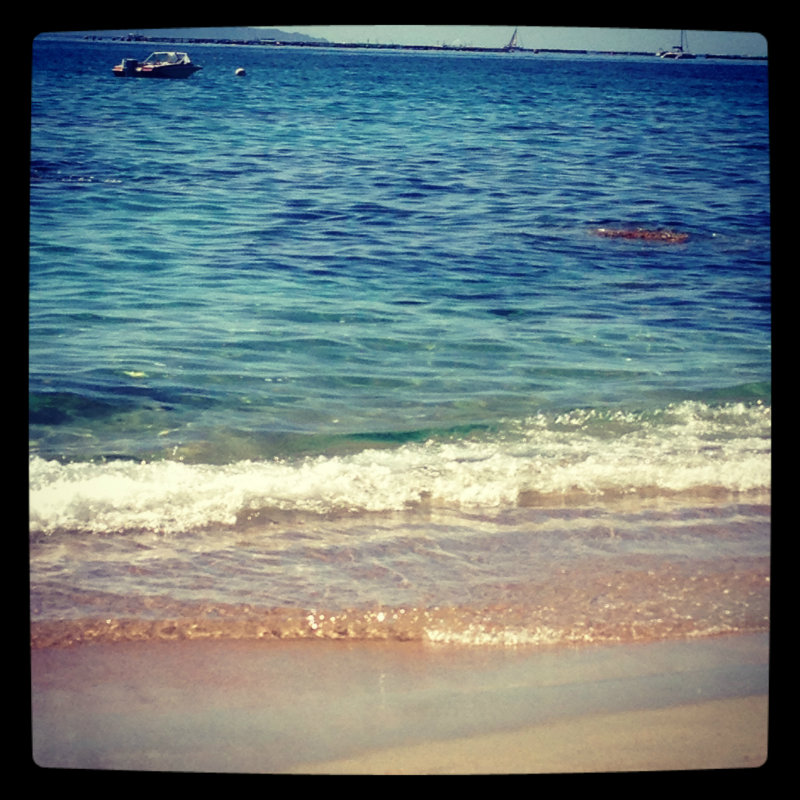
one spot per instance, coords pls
(157, 65)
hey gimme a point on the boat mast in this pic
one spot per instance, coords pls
(513, 44)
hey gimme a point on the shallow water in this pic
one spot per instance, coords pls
(337, 339)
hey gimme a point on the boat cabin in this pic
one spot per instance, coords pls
(167, 58)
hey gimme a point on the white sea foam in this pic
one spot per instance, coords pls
(685, 448)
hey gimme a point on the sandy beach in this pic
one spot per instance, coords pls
(313, 707)
(719, 734)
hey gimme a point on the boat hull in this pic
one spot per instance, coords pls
(170, 71)
(167, 65)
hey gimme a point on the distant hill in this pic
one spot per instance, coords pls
(234, 33)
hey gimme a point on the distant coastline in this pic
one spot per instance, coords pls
(279, 38)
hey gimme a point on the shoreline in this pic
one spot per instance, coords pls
(245, 41)
(313, 707)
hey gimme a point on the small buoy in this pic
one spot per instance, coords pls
(240, 71)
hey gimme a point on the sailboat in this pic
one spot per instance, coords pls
(678, 51)
(513, 43)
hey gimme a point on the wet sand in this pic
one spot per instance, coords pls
(395, 707)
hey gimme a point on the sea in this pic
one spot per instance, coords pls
(332, 349)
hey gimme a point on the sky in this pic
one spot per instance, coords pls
(568, 38)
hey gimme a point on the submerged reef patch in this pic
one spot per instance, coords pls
(647, 234)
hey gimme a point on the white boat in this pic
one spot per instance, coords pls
(678, 51)
(513, 43)
(157, 65)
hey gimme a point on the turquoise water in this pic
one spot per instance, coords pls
(358, 282)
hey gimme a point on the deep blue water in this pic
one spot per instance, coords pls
(358, 279)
